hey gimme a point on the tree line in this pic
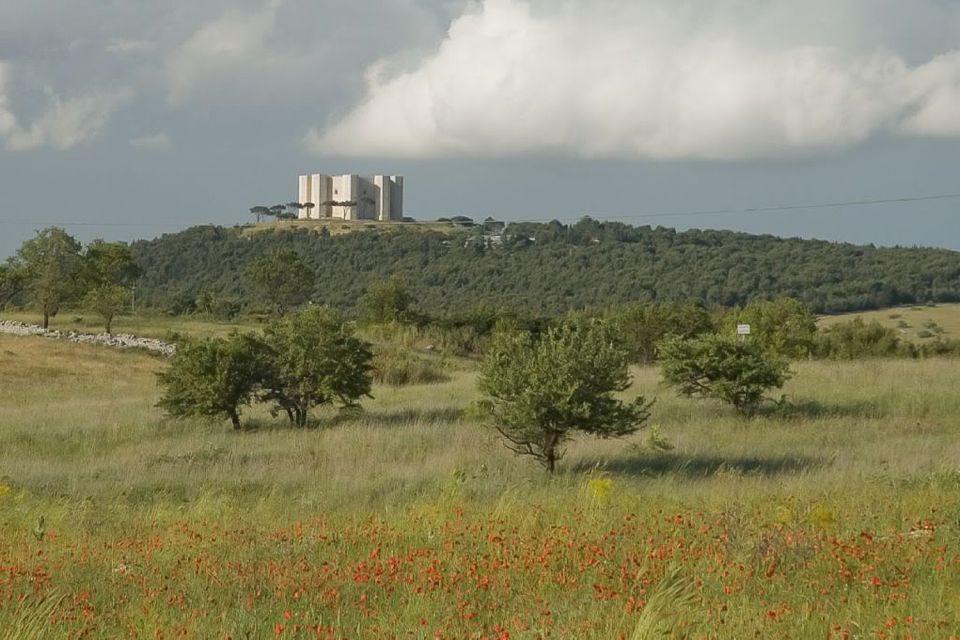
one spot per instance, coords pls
(52, 271)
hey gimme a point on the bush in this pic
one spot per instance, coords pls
(784, 326)
(314, 359)
(736, 371)
(540, 391)
(642, 327)
(212, 377)
(400, 367)
(855, 338)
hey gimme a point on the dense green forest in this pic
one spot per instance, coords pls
(547, 268)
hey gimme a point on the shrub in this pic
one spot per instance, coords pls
(540, 391)
(314, 359)
(212, 377)
(784, 326)
(643, 326)
(736, 371)
(400, 367)
(855, 338)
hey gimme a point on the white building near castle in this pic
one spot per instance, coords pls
(351, 197)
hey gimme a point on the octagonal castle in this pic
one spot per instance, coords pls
(351, 197)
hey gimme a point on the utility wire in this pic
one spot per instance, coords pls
(628, 216)
(772, 209)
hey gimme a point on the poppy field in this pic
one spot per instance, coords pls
(833, 515)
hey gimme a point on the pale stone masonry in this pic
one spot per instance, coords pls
(351, 197)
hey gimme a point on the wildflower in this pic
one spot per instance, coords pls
(599, 489)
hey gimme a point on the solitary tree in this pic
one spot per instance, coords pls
(282, 279)
(738, 372)
(212, 377)
(109, 271)
(314, 359)
(540, 392)
(51, 268)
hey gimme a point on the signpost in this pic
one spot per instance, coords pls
(743, 330)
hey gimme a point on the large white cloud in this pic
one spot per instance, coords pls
(715, 79)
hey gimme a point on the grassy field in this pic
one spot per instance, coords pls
(916, 324)
(834, 514)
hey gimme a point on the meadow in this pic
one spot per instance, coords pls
(834, 513)
(914, 323)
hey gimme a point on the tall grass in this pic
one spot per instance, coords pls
(136, 505)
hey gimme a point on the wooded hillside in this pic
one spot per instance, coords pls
(550, 268)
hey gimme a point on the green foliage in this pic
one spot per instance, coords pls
(642, 327)
(540, 392)
(51, 269)
(282, 279)
(400, 367)
(385, 302)
(855, 338)
(212, 377)
(11, 282)
(550, 269)
(108, 300)
(109, 270)
(314, 359)
(735, 371)
(110, 262)
(783, 326)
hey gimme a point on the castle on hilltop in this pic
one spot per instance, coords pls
(351, 197)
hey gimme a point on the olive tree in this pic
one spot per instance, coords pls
(540, 391)
(733, 370)
(314, 359)
(213, 377)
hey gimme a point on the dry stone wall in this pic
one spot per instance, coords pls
(117, 341)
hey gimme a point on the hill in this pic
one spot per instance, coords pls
(552, 268)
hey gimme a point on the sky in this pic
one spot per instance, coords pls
(124, 119)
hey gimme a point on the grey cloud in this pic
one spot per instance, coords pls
(289, 50)
(152, 142)
(68, 122)
(724, 79)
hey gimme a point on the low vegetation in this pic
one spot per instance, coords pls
(736, 371)
(305, 360)
(832, 514)
(541, 391)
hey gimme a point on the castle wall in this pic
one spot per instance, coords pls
(376, 198)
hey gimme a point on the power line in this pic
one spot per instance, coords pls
(43, 223)
(629, 216)
(772, 209)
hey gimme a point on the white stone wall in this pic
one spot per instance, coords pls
(376, 198)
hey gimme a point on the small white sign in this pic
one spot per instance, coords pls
(743, 329)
